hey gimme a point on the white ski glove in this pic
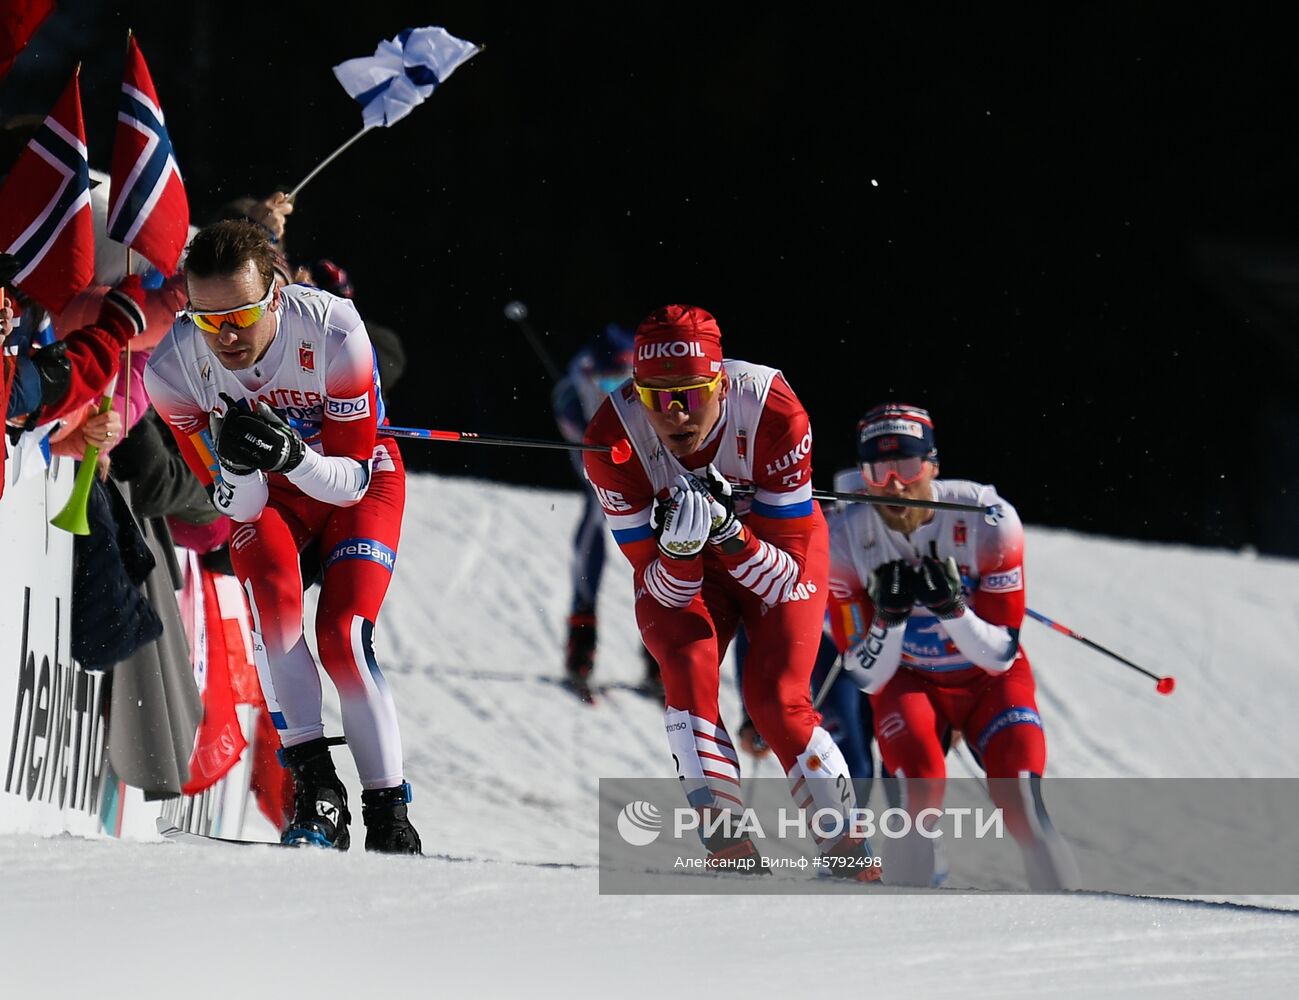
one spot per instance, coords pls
(687, 520)
(725, 524)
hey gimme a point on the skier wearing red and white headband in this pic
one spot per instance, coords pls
(704, 561)
(927, 606)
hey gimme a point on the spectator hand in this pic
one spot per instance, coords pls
(173, 292)
(122, 313)
(6, 322)
(938, 587)
(687, 520)
(103, 430)
(255, 440)
(272, 213)
(892, 592)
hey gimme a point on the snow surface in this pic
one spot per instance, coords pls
(504, 764)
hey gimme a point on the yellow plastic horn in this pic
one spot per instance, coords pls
(72, 517)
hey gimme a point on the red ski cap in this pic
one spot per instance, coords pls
(680, 341)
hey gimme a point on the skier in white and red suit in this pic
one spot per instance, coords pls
(704, 561)
(272, 394)
(927, 606)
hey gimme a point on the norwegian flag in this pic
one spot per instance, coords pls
(148, 210)
(45, 218)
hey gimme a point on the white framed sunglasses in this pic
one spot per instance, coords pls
(240, 317)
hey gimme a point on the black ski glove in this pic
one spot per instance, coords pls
(255, 440)
(891, 590)
(938, 587)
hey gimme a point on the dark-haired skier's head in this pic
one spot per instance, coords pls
(233, 294)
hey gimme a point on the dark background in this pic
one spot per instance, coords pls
(1069, 236)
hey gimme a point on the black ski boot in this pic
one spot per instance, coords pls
(736, 854)
(320, 815)
(579, 659)
(387, 827)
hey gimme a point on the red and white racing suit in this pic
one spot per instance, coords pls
(968, 674)
(688, 610)
(347, 496)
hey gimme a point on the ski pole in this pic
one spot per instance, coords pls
(619, 451)
(831, 676)
(1164, 685)
(517, 312)
(994, 511)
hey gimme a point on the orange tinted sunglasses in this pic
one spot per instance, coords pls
(241, 317)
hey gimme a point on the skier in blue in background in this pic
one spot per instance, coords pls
(597, 369)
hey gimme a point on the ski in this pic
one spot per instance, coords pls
(176, 835)
(590, 694)
(179, 836)
(653, 690)
(580, 689)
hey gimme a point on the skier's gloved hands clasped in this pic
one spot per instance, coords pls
(687, 519)
(255, 440)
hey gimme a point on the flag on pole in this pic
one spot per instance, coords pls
(402, 73)
(45, 218)
(220, 741)
(148, 210)
(19, 20)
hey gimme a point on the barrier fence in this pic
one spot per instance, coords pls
(56, 717)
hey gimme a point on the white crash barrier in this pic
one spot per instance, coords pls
(54, 716)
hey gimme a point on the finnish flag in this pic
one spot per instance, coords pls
(402, 72)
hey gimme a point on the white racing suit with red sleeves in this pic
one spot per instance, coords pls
(965, 674)
(347, 496)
